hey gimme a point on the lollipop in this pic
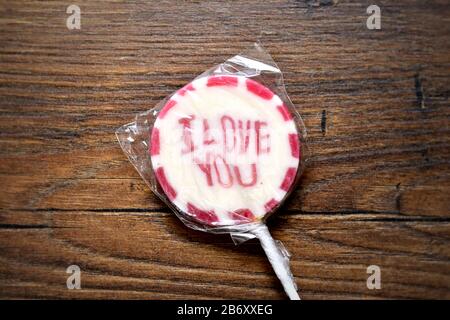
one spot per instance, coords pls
(225, 151)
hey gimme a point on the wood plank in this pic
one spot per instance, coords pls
(152, 255)
(375, 191)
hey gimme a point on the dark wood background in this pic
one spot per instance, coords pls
(375, 103)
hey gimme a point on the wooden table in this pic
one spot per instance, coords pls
(376, 190)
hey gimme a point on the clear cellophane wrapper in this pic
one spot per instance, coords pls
(135, 140)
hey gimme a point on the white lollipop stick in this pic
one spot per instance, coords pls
(278, 261)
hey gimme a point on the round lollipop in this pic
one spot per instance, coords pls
(226, 152)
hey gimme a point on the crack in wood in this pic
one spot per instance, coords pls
(288, 213)
(321, 3)
(323, 122)
(419, 91)
(398, 195)
(29, 226)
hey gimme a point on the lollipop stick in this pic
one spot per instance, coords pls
(278, 261)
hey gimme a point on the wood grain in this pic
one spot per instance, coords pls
(376, 189)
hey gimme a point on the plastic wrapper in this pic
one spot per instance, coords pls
(224, 152)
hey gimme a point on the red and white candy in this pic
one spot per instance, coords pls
(225, 150)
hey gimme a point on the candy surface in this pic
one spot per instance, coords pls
(225, 150)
